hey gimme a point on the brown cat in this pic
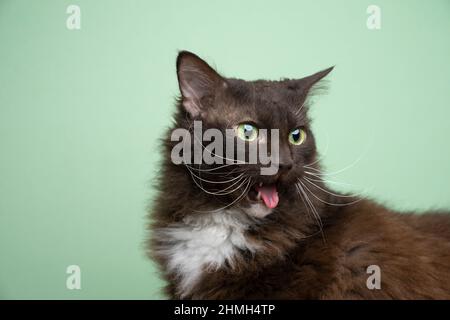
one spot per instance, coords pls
(227, 231)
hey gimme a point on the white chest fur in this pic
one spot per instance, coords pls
(206, 240)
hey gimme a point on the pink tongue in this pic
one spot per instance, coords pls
(269, 195)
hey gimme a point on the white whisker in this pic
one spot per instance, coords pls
(313, 209)
(243, 194)
(216, 182)
(331, 181)
(203, 189)
(211, 169)
(329, 192)
(329, 203)
(346, 167)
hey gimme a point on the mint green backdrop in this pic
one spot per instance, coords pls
(81, 112)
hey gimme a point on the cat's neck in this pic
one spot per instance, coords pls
(197, 235)
(229, 239)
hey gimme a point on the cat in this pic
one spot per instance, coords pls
(225, 231)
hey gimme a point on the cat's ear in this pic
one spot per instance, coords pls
(197, 80)
(309, 82)
(316, 77)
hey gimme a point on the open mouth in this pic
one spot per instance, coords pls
(265, 193)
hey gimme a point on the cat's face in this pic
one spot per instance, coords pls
(268, 118)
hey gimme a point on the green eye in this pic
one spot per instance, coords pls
(297, 136)
(247, 132)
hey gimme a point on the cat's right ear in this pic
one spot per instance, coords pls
(197, 81)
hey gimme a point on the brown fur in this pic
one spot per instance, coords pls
(297, 259)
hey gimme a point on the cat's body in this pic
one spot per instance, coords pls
(312, 243)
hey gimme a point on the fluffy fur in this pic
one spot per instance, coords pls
(316, 244)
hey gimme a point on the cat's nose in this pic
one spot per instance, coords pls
(285, 166)
(285, 161)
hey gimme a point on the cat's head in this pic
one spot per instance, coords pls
(266, 120)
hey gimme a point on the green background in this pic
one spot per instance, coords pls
(81, 113)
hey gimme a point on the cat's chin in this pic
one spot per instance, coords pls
(257, 203)
(257, 209)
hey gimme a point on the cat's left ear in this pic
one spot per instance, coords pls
(316, 77)
(306, 84)
(197, 82)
